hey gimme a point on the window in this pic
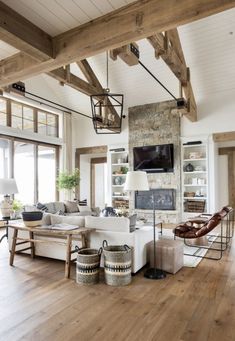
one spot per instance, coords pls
(22, 117)
(34, 169)
(46, 173)
(47, 124)
(24, 171)
(27, 118)
(3, 112)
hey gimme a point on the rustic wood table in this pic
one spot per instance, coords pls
(80, 234)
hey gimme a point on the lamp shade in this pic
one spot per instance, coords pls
(8, 186)
(136, 181)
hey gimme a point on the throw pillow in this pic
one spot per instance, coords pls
(41, 207)
(60, 212)
(71, 206)
(82, 202)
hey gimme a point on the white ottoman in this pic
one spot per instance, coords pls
(169, 255)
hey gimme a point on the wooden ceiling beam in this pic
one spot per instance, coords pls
(23, 35)
(169, 55)
(133, 22)
(169, 48)
(73, 81)
(126, 54)
(86, 69)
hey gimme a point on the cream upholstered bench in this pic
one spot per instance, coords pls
(169, 255)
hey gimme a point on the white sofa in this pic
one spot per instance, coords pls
(116, 230)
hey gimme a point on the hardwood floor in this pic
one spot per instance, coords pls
(37, 303)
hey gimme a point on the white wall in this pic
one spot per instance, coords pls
(223, 197)
(215, 115)
(84, 134)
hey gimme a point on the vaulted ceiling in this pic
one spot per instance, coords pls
(208, 45)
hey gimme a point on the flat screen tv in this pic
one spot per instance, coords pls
(154, 159)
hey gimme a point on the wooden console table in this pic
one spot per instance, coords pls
(68, 235)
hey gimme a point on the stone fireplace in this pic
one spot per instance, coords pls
(155, 124)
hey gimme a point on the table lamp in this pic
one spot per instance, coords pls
(7, 187)
(138, 181)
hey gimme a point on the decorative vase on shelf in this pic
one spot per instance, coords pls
(189, 168)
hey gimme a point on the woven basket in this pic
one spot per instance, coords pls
(197, 206)
(117, 264)
(88, 266)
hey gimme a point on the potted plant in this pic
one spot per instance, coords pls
(68, 181)
(16, 208)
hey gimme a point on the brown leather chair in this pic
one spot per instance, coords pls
(203, 225)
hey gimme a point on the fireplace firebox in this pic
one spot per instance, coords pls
(164, 199)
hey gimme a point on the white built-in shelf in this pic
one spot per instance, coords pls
(120, 164)
(118, 185)
(201, 159)
(120, 196)
(194, 145)
(190, 185)
(118, 174)
(195, 198)
(195, 172)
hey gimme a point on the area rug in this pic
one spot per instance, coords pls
(189, 261)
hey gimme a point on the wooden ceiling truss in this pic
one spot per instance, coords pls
(41, 53)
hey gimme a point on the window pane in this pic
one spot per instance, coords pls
(51, 120)
(3, 119)
(16, 122)
(16, 109)
(24, 171)
(42, 117)
(28, 113)
(51, 131)
(4, 158)
(46, 173)
(28, 125)
(3, 105)
(42, 129)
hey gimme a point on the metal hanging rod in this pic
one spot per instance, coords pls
(58, 105)
(157, 79)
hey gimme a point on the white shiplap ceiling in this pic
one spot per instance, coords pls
(208, 45)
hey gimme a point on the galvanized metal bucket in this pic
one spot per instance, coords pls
(88, 266)
(117, 264)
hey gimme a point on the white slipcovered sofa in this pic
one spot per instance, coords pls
(116, 230)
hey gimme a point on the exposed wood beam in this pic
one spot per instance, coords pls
(223, 137)
(130, 23)
(170, 50)
(168, 54)
(74, 81)
(23, 35)
(126, 54)
(89, 73)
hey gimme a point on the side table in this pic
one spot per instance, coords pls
(67, 235)
(6, 225)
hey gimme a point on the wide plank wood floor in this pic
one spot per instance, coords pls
(37, 303)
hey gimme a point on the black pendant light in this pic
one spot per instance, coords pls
(107, 110)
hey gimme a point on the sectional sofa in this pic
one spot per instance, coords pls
(116, 230)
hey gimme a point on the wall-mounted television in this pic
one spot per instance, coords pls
(154, 159)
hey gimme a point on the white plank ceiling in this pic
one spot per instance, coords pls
(208, 45)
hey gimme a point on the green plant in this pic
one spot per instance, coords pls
(17, 205)
(68, 181)
(124, 170)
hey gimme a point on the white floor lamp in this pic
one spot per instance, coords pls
(138, 181)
